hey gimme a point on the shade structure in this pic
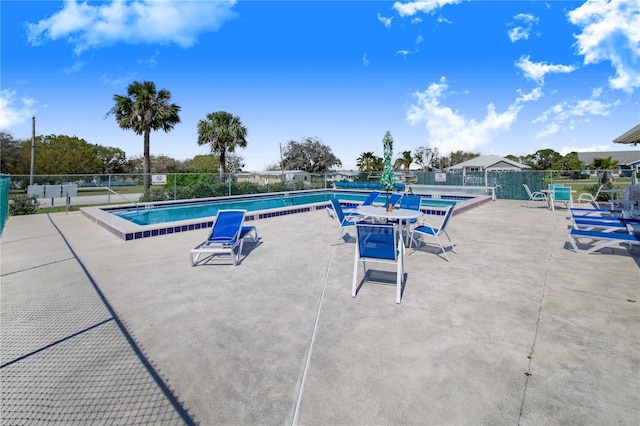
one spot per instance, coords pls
(630, 137)
(388, 178)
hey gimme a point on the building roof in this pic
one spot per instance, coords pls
(275, 172)
(624, 157)
(491, 162)
(631, 136)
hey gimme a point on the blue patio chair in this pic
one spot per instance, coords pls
(563, 194)
(378, 242)
(367, 202)
(424, 228)
(225, 239)
(409, 202)
(345, 220)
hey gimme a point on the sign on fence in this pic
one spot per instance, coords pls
(158, 179)
(441, 177)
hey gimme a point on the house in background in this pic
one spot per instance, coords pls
(274, 176)
(626, 160)
(489, 163)
(341, 175)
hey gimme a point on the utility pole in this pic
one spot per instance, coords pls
(33, 148)
(281, 163)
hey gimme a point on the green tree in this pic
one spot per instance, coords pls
(377, 164)
(366, 161)
(204, 164)
(223, 132)
(113, 160)
(142, 110)
(164, 164)
(310, 155)
(461, 156)
(568, 162)
(60, 154)
(543, 159)
(606, 165)
(12, 159)
(403, 162)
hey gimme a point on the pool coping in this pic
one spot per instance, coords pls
(128, 231)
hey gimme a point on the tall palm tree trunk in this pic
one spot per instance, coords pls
(146, 161)
(223, 165)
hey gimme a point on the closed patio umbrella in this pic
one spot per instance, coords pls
(388, 178)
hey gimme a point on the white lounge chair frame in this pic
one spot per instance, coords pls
(535, 196)
(423, 227)
(600, 240)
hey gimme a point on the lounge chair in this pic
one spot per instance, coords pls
(424, 228)
(378, 242)
(225, 239)
(607, 225)
(600, 239)
(345, 220)
(590, 198)
(534, 196)
(367, 202)
(393, 200)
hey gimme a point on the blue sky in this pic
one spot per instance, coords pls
(494, 77)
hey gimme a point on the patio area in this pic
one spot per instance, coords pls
(516, 329)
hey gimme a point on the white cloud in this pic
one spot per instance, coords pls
(528, 97)
(88, 26)
(385, 21)
(15, 111)
(566, 115)
(522, 31)
(611, 32)
(76, 67)
(365, 61)
(152, 61)
(424, 6)
(417, 43)
(536, 71)
(449, 130)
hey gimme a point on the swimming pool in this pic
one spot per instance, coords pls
(195, 210)
(171, 217)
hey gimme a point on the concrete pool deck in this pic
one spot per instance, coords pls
(516, 329)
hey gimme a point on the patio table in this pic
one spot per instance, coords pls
(403, 216)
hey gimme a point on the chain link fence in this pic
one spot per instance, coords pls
(176, 186)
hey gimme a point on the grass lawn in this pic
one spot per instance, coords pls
(579, 184)
(134, 189)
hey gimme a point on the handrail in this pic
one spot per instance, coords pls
(123, 197)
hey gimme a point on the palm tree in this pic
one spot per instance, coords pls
(365, 161)
(605, 164)
(224, 132)
(144, 109)
(404, 161)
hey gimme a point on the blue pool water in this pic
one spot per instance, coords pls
(195, 210)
